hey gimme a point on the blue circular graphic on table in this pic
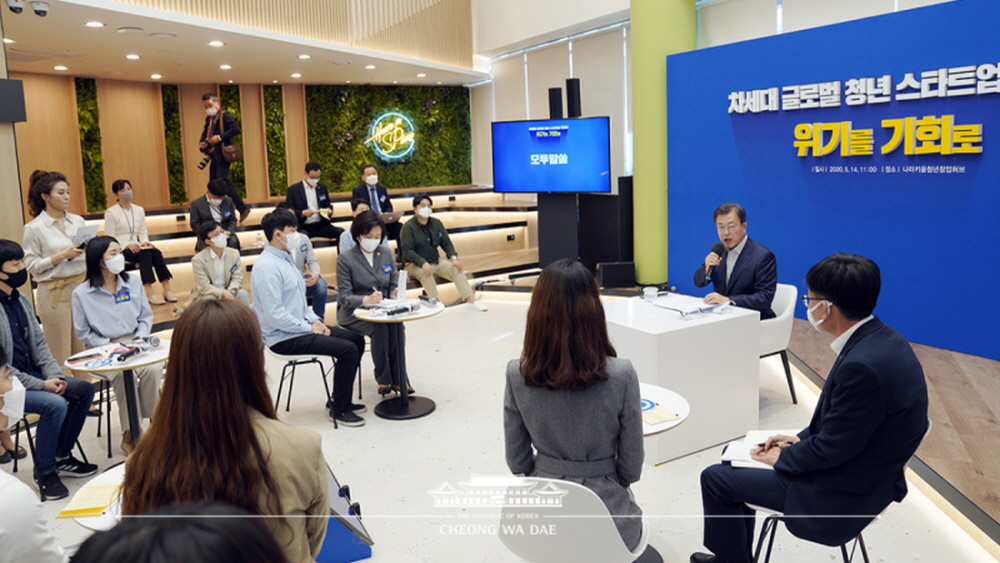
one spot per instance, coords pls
(97, 363)
(646, 404)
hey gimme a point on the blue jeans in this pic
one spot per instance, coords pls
(62, 418)
(318, 293)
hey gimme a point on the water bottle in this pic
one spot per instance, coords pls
(260, 240)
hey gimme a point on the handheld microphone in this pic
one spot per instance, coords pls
(126, 355)
(401, 309)
(717, 248)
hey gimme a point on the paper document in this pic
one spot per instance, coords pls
(738, 452)
(388, 304)
(688, 309)
(91, 500)
(658, 415)
(84, 234)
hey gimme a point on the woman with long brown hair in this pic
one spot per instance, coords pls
(216, 437)
(573, 400)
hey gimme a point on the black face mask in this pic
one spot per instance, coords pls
(16, 280)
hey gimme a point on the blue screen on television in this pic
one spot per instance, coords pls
(552, 155)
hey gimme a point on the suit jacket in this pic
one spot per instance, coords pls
(203, 268)
(356, 279)
(297, 197)
(602, 423)
(201, 211)
(361, 192)
(295, 460)
(41, 356)
(229, 129)
(871, 416)
(755, 279)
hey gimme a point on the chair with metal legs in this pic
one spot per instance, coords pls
(26, 425)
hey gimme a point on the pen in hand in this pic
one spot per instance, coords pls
(786, 442)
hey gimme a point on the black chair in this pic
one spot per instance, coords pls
(26, 425)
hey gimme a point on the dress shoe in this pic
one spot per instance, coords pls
(709, 558)
(244, 214)
(384, 389)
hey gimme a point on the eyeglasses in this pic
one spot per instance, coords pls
(806, 300)
(727, 228)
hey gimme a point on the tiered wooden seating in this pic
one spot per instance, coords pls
(491, 234)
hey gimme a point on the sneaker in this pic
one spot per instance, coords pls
(476, 306)
(358, 408)
(72, 467)
(51, 487)
(348, 418)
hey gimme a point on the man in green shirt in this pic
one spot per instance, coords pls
(420, 238)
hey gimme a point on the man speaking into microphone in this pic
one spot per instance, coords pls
(742, 272)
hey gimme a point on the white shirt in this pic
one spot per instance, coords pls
(732, 257)
(216, 211)
(127, 226)
(841, 341)
(312, 202)
(219, 279)
(46, 236)
(24, 533)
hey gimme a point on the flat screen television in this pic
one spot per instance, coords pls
(552, 155)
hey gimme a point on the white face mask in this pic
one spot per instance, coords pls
(219, 240)
(312, 181)
(13, 402)
(424, 212)
(211, 111)
(126, 196)
(214, 202)
(372, 180)
(116, 264)
(292, 241)
(809, 315)
(369, 244)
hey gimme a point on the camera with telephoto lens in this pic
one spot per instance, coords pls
(204, 162)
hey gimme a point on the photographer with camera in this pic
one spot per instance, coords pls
(220, 128)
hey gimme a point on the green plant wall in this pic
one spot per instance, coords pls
(90, 144)
(172, 136)
(229, 99)
(339, 119)
(274, 137)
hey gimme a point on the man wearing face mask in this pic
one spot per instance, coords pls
(220, 128)
(287, 323)
(24, 533)
(835, 476)
(308, 265)
(218, 273)
(306, 198)
(420, 239)
(215, 206)
(61, 402)
(377, 197)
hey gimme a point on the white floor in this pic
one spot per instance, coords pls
(458, 360)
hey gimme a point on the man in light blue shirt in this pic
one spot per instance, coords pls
(302, 256)
(290, 327)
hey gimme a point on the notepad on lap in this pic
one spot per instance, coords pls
(737, 452)
(91, 500)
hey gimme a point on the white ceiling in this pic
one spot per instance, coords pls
(61, 38)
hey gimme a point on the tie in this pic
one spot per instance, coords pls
(374, 199)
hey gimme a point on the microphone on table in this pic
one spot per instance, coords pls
(717, 248)
(132, 351)
(401, 309)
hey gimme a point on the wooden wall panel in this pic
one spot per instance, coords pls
(254, 149)
(192, 124)
(50, 139)
(132, 140)
(296, 143)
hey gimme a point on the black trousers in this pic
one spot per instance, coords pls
(323, 229)
(219, 169)
(342, 345)
(729, 524)
(149, 259)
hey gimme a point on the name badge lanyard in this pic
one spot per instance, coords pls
(131, 224)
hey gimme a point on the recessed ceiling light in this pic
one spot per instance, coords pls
(216, 43)
(296, 75)
(162, 35)
(304, 57)
(230, 81)
(347, 81)
(274, 82)
(60, 67)
(421, 75)
(94, 24)
(129, 30)
(225, 67)
(395, 82)
(438, 82)
(132, 57)
(155, 76)
(370, 67)
(6, 40)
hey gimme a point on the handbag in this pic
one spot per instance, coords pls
(230, 153)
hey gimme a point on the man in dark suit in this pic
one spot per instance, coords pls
(378, 198)
(215, 206)
(220, 128)
(838, 474)
(307, 198)
(746, 273)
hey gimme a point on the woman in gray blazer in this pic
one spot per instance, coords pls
(366, 274)
(573, 400)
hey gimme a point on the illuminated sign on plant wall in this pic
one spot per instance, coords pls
(392, 136)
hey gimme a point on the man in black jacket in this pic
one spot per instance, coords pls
(307, 198)
(220, 128)
(377, 197)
